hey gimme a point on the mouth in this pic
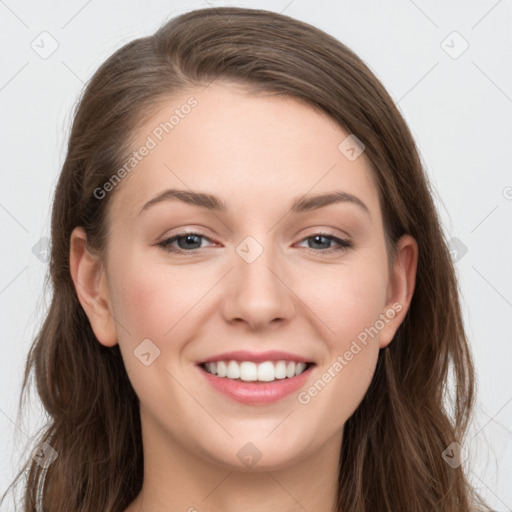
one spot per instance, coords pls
(257, 378)
(257, 384)
(250, 371)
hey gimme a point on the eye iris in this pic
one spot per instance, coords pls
(188, 238)
(317, 237)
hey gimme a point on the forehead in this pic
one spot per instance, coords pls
(252, 150)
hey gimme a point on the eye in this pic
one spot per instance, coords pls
(187, 242)
(327, 238)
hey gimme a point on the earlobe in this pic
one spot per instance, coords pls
(91, 286)
(400, 288)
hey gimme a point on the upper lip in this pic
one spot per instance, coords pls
(256, 357)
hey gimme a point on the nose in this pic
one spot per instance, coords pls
(259, 293)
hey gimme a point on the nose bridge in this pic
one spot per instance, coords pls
(259, 294)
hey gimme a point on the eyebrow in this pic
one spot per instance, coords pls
(300, 204)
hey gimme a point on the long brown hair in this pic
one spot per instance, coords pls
(391, 458)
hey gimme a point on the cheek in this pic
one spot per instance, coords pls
(348, 300)
(151, 303)
(150, 299)
(350, 309)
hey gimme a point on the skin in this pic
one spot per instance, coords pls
(257, 153)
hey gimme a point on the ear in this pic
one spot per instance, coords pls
(91, 286)
(400, 288)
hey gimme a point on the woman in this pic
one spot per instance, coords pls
(298, 356)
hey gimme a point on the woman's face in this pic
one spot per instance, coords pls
(259, 275)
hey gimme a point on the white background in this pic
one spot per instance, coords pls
(459, 110)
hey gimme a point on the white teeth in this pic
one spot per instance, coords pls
(299, 368)
(248, 371)
(266, 371)
(221, 369)
(233, 371)
(280, 370)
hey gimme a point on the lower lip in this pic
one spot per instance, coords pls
(257, 392)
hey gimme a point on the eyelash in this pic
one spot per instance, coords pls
(343, 244)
